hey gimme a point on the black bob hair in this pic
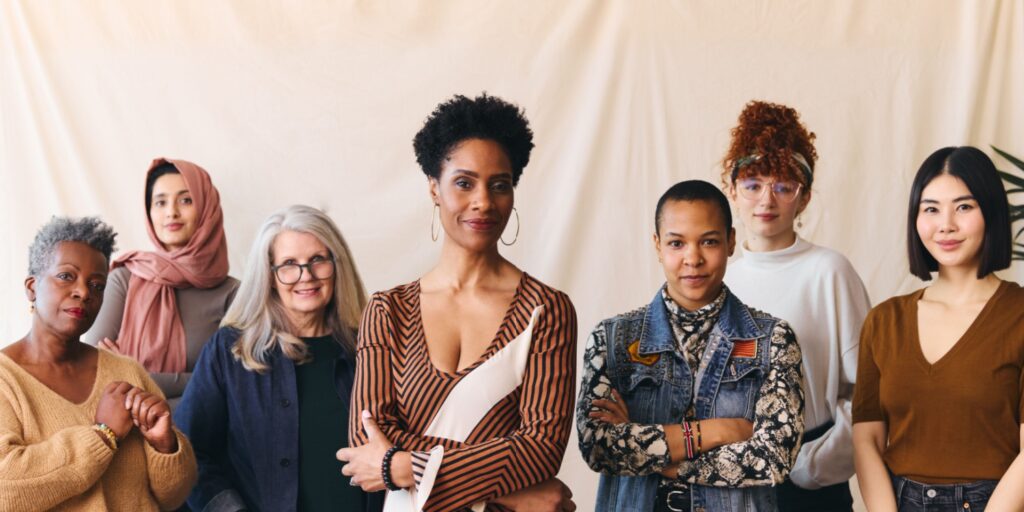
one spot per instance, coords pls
(484, 117)
(694, 190)
(155, 174)
(976, 170)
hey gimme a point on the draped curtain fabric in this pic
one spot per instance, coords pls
(317, 103)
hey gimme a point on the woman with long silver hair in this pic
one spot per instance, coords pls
(267, 406)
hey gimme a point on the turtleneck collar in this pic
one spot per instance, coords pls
(680, 315)
(779, 257)
(692, 328)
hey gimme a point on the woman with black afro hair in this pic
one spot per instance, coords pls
(464, 382)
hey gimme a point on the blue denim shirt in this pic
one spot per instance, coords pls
(244, 427)
(660, 392)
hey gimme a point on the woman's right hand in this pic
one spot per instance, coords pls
(111, 410)
(548, 496)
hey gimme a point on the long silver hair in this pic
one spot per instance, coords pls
(257, 311)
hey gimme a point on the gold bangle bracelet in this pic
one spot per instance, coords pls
(108, 433)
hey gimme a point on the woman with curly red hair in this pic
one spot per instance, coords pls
(769, 171)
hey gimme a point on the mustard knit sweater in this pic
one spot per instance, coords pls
(51, 459)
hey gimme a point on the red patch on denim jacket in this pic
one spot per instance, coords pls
(744, 348)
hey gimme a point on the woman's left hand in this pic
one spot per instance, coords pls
(364, 462)
(612, 411)
(152, 416)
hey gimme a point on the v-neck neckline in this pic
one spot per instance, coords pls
(496, 341)
(92, 392)
(964, 338)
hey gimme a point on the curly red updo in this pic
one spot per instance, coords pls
(774, 132)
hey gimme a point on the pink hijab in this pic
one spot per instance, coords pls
(151, 330)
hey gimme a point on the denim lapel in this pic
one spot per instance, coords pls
(656, 334)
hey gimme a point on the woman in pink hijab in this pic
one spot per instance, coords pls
(161, 306)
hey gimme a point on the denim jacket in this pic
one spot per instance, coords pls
(244, 426)
(657, 385)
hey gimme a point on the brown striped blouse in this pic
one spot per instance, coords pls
(518, 443)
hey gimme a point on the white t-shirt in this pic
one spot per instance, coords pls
(817, 291)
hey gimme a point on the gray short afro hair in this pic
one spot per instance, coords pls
(88, 230)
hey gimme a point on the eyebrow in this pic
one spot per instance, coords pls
(474, 174)
(324, 253)
(178, 193)
(72, 265)
(955, 200)
(706, 233)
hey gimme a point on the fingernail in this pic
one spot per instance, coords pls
(366, 414)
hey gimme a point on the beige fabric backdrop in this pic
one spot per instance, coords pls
(318, 103)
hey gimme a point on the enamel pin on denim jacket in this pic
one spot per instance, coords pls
(750, 369)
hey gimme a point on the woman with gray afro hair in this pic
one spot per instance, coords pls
(66, 408)
(90, 231)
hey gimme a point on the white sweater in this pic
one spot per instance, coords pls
(819, 293)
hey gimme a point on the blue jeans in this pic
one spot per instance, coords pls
(914, 496)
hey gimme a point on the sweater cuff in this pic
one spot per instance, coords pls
(172, 475)
(98, 449)
(95, 453)
(169, 462)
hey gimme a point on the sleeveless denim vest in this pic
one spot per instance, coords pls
(660, 392)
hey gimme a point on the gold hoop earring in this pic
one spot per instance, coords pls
(517, 230)
(435, 213)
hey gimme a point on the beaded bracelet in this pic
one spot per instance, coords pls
(385, 468)
(108, 433)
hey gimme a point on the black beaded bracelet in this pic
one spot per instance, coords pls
(385, 468)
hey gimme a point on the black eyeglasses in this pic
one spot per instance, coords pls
(290, 273)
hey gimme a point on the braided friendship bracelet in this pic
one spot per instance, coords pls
(385, 468)
(688, 439)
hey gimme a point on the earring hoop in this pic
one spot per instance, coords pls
(435, 213)
(517, 230)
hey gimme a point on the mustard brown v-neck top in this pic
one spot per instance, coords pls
(956, 420)
(52, 459)
(518, 443)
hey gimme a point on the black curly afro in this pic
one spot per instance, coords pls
(484, 117)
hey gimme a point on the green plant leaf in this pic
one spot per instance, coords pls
(1016, 213)
(1012, 159)
(1013, 180)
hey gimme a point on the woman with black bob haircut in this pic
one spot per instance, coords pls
(938, 405)
(464, 377)
(976, 170)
